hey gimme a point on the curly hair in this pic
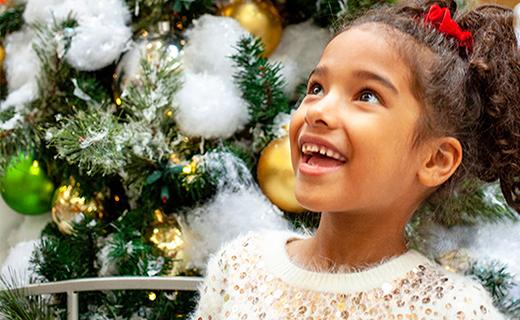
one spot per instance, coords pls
(471, 96)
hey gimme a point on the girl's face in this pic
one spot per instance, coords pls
(352, 136)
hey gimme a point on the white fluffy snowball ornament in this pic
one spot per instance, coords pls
(210, 43)
(210, 106)
(96, 45)
(102, 33)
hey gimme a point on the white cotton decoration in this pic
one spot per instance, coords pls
(20, 97)
(96, 45)
(129, 67)
(16, 266)
(11, 123)
(239, 207)
(210, 106)
(102, 33)
(210, 43)
(280, 126)
(299, 51)
(113, 12)
(21, 63)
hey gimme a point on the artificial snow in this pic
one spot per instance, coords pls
(210, 106)
(239, 207)
(210, 43)
(102, 33)
(209, 103)
(96, 45)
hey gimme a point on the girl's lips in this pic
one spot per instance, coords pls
(319, 156)
(315, 167)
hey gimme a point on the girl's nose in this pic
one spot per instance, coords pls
(322, 114)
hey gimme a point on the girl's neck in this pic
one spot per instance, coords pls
(350, 241)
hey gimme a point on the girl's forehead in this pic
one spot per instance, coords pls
(371, 38)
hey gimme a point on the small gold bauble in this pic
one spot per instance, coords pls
(69, 207)
(166, 234)
(258, 17)
(276, 176)
(2, 55)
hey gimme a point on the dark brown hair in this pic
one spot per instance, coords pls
(472, 96)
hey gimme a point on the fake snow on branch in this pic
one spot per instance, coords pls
(90, 140)
(238, 207)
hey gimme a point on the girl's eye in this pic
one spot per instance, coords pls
(369, 96)
(316, 90)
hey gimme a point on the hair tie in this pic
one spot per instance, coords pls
(440, 19)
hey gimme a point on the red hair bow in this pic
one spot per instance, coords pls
(440, 18)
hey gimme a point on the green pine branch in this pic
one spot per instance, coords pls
(91, 139)
(498, 281)
(260, 81)
(11, 19)
(67, 256)
(16, 304)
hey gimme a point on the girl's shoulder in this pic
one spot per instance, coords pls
(449, 293)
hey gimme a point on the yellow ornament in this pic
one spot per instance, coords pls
(2, 55)
(258, 17)
(69, 207)
(276, 176)
(166, 234)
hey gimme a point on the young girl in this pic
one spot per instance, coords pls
(404, 104)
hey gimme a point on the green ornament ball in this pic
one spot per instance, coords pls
(26, 188)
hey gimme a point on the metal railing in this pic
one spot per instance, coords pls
(73, 287)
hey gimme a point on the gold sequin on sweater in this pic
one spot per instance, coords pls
(254, 278)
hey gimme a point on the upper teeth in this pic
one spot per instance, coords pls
(309, 148)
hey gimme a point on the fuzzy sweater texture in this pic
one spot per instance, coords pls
(254, 278)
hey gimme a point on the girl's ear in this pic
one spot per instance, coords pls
(442, 159)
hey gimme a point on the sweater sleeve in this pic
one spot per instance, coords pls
(210, 300)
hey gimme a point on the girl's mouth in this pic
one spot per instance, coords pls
(319, 156)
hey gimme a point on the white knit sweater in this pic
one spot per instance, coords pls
(254, 278)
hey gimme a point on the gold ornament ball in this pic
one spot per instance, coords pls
(2, 56)
(258, 17)
(68, 205)
(276, 176)
(166, 234)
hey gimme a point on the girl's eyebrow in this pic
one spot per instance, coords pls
(317, 71)
(368, 75)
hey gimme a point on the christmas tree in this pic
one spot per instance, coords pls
(156, 130)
